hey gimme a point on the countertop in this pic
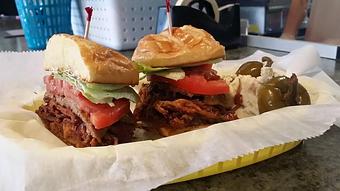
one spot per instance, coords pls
(313, 165)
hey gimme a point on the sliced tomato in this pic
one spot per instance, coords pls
(202, 80)
(105, 117)
(101, 115)
(196, 84)
(87, 106)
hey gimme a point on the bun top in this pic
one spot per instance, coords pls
(186, 46)
(88, 60)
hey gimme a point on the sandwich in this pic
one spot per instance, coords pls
(88, 93)
(183, 92)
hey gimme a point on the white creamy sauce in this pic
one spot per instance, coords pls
(248, 87)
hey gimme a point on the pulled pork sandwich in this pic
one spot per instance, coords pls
(87, 99)
(184, 92)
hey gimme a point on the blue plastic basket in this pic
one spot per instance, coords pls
(41, 19)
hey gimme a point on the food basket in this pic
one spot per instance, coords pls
(224, 166)
(118, 24)
(240, 162)
(151, 162)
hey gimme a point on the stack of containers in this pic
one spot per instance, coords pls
(118, 24)
(41, 19)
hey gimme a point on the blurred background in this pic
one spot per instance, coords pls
(281, 25)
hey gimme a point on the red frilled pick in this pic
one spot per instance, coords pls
(167, 6)
(89, 11)
(169, 15)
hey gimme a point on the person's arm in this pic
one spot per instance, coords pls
(295, 17)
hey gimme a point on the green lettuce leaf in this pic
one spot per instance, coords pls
(174, 74)
(104, 87)
(150, 70)
(100, 93)
(147, 69)
(106, 96)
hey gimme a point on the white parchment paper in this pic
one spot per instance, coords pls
(33, 159)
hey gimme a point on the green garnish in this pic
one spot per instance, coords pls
(99, 93)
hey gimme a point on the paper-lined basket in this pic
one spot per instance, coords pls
(240, 162)
(31, 153)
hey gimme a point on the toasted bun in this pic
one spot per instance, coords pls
(186, 46)
(88, 60)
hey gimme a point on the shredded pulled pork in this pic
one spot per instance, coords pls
(183, 112)
(73, 126)
(181, 109)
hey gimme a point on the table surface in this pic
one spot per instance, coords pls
(313, 165)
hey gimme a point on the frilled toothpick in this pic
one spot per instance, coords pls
(168, 6)
(89, 11)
